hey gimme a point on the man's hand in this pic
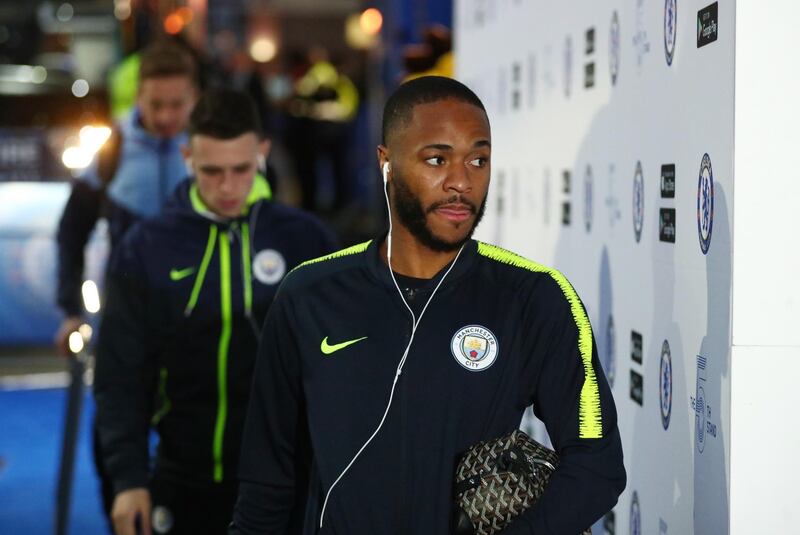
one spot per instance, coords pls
(128, 506)
(68, 326)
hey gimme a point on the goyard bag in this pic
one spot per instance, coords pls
(497, 480)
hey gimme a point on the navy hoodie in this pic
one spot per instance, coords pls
(187, 294)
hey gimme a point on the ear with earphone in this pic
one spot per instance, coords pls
(189, 166)
(261, 161)
(386, 168)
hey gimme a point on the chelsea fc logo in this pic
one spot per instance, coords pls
(670, 28)
(665, 384)
(705, 203)
(474, 347)
(269, 266)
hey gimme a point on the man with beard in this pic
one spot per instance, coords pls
(380, 364)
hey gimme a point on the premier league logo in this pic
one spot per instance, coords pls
(670, 28)
(705, 204)
(474, 347)
(665, 384)
(587, 199)
(636, 516)
(613, 48)
(638, 202)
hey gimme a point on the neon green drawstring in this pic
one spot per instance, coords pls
(201, 274)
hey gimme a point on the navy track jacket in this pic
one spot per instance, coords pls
(502, 333)
(187, 295)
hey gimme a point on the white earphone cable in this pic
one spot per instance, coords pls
(414, 324)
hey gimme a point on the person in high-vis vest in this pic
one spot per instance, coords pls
(380, 364)
(187, 293)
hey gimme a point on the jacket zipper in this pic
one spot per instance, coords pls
(225, 239)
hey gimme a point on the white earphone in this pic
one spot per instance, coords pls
(415, 320)
(261, 162)
(189, 166)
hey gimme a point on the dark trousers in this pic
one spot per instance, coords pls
(184, 510)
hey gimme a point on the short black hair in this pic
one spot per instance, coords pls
(224, 114)
(422, 90)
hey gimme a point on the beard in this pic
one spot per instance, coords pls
(413, 216)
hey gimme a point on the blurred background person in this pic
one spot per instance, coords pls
(133, 175)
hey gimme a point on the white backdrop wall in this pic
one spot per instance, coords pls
(613, 138)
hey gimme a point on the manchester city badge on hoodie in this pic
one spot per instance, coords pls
(474, 347)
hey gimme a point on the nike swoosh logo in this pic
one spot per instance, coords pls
(179, 274)
(328, 349)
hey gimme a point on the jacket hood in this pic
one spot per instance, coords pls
(186, 201)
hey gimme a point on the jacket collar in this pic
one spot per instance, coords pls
(379, 270)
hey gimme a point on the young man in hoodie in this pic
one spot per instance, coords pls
(187, 293)
(389, 359)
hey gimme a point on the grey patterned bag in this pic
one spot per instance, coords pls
(498, 479)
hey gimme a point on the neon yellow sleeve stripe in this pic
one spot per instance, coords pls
(355, 249)
(589, 417)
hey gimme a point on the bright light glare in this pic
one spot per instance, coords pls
(173, 24)
(38, 74)
(76, 158)
(93, 137)
(79, 156)
(75, 342)
(86, 331)
(80, 88)
(263, 49)
(371, 21)
(64, 12)
(122, 9)
(91, 297)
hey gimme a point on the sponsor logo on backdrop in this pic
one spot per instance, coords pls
(637, 346)
(609, 523)
(588, 68)
(666, 225)
(612, 202)
(567, 66)
(516, 83)
(641, 43)
(668, 181)
(614, 48)
(665, 384)
(705, 203)
(670, 28)
(588, 75)
(637, 387)
(707, 19)
(638, 202)
(635, 516)
(588, 199)
(704, 428)
(611, 351)
(532, 80)
(566, 213)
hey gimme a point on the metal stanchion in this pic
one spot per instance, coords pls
(78, 359)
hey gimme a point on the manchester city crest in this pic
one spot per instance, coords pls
(474, 347)
(269, 266)
(162, 519)
(705, 203)
(670, 28)
(665, 384)
(638, 202)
